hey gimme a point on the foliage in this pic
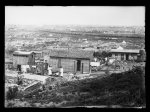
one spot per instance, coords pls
(116, 89)
(11, 93)
(10, 49)
(102, 55)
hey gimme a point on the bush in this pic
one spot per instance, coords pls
(11, 93)
(117, 88)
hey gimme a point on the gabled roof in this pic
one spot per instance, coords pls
(72, 53)
(22, 53)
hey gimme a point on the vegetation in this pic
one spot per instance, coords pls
(102, 55)
(9, 50)
(11, 93)
(123, 89)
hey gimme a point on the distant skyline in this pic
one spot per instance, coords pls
(75, 15)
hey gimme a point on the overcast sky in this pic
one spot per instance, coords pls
(85, 15)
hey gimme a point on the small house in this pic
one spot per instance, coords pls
(23, 58)
(8, 63)
(74, 61)
(124, 54)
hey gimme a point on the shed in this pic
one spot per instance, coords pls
(23, 58)
(124, 54)
(75, 61)
(8, 63)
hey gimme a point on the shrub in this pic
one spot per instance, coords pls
(11, 93)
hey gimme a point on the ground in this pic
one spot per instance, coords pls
(117, 89)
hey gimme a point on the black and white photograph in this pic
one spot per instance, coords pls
(74, 56)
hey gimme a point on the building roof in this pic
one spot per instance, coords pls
(22, 53)
(125, 50)
(72, 53)
(37, 52)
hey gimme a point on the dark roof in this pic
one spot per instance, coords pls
(72, 53)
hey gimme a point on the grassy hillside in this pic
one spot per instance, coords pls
(123, 89)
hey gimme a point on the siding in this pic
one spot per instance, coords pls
(54, 63)
(22, 60)
(68, 65)
(31, 60)
(85, 66)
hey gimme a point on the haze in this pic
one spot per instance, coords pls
(85, 15)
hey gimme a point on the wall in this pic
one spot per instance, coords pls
(124, 56)
(24, 60)
(69, 65)
(31, 59)
(86, 65)
(21, 60)
(53, 62)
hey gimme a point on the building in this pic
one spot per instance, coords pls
(38, 54)
(8, 63)
(124, 54)
(74, 61)
(23, 58)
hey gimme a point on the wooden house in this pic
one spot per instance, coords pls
(23, 58)
(8, 63)
(74, 61)
(125, 54)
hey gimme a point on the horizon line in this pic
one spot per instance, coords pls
(76, 25)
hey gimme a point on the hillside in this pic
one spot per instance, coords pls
(123, 89)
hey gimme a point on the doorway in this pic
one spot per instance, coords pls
(127, 56)
(19, 67)
(78, 65)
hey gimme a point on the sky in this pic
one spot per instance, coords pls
(77, 15)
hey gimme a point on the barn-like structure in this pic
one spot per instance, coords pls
(23, 58)
(8, 63)
(74, 61)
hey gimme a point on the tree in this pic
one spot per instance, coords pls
(97, 55)
(102, 55)
(10, 49)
